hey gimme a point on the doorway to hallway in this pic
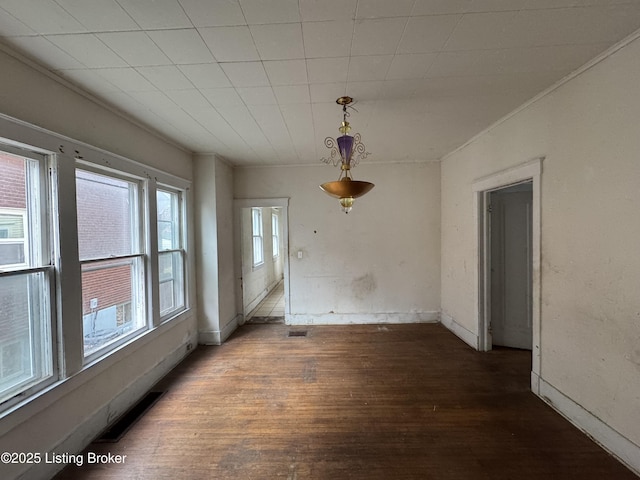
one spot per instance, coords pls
(510, 225)
(262, 259)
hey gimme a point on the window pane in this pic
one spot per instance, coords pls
(25, 336)
(107, 219)
(171, 281)
(112, 304)
(19, 201)
(257, 250)
(168, 220)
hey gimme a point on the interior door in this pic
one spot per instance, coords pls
(511, 266)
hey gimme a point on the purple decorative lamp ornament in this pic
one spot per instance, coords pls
(346, 151)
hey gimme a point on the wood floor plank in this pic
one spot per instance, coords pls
(351, 402)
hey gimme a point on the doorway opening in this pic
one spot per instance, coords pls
(261, 225)
(508, 293)
(510, 266)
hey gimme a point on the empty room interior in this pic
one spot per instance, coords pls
(339, 238)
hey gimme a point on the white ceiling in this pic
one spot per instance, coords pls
(256, 80)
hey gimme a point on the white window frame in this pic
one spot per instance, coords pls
(181, 240)
(257, 235)
(38, 259)
(138, 260)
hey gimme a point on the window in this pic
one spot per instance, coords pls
(256, 228)
(275, 235)
(112, 260)
(170, 252)
(26, 315)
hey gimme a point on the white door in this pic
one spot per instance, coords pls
(511, 266)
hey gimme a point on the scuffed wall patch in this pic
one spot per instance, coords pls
(364, 286)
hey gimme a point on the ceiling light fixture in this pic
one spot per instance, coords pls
(346, 151)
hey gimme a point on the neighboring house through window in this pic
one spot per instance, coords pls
(170, 252)
(26, 317)
(112, 259)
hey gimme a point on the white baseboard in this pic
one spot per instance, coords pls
(360, 318)
(217, 337)
(459, 331)
(612, 441)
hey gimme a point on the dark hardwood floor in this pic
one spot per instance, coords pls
(351, 402)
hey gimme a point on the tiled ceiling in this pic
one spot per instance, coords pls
(256, 80)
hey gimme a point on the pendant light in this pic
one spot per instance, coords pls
(346, 151)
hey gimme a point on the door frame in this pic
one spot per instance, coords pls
(238, 205)
(528, 172)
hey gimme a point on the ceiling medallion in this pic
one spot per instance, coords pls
(346, 151)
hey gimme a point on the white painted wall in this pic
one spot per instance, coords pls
(67, 416)
(259, 281)
(213, 187)
(590, 226)
(381, 262)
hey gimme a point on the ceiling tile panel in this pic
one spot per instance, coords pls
(246, 74)
(46, 53)
(286, 72)
(166, 77)
(257, 95)
(10, 26)
(270, 11)
(325, 70)
(430, 73)
(270, 121)
(88, 50)
(89, 81)
(213, 13)
(324, 92)
(384, 8)
(370, 67)
(242, 122)
(327, 39)
(230, 44)
(136, 48)
(153, 14)
(318, 10)
(378, 36)
(182, 46)
(413, 65)
(364, 90)
(211, 119)
(477, 31)
(205, 75)
(99, 15)
(427, 34)
(562, 26)
(286, 94)
(155, 101)
(126, 79)
(188, 99)
(220, 97)
(278, 41)
(440, 7)
(43, 16)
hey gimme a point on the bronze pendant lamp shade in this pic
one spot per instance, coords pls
(347, 151)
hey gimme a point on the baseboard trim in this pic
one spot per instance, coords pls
(217, 337)
(361, 318)
(459, 331)
(627, 452)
